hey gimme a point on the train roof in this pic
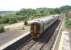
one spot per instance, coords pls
(43, 19)
(47, 18)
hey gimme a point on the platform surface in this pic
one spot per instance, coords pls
(65, 42)
(8, 36)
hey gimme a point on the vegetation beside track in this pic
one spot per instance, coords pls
(27, 14)
(68, 22)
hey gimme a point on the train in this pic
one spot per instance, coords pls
(39, 25)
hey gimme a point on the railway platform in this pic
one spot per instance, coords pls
(65, 42)
(8, 38)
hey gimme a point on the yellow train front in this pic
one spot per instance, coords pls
(40, 25)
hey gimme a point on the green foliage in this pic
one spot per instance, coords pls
(4, 20)
(1, 28)
(65, 8)
(57, 10)
(68, 22)
(27, 14)
(12, 20)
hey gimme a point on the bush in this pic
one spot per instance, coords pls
(12, 20)
(1, 28)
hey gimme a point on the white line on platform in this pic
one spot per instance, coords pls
(13, 41)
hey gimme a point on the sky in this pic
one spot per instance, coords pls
(14, 5)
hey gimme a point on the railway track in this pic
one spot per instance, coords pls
(42, 44)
